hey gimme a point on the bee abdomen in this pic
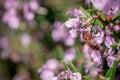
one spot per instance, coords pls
(93, 45)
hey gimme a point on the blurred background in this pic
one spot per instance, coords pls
(31, 34)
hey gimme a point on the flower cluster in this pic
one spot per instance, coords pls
(17, 8)
(61, 34)
(47, 72)
(52, 67)
(94, 35)
(98, 29)
(98, 39)
(68, 75)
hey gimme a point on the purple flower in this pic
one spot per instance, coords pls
(69, 41)
(87, 52)
(10, 17)
(47, 70)
(72, 23)
(4, 42)
(33, 5)
(25, 39)
(76, 12)
(28, 14)
(109, 7)
(73, 33)
(99, 37)
(47, 75)
(70, 54)
(11, 4)
(68, 75)
(110, 59)
(111, 51)
(116, 28)
(59, 33)
(109, 40)
(96, 57)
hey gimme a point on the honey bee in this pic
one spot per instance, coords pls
(87, 36)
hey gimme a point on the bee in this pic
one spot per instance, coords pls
(93, 45)
(87, 36)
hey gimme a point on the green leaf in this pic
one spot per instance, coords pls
(86, 13)
(81, 68)
(58, 53)
(111, 72)
(102, 15)
(72, 67)
(99, 23)
(114, 45)
(65, 65)
(92, 10)
(116, 17)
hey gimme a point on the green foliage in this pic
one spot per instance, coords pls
(99, 23)
(58, 53)
(81, 68)
(102, 15)
(91, 10)
(72, 67)
(65, 65)
(85, 12)
(116, 17)
(114, 45)
(111, 72)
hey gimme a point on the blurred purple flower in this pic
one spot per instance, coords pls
(33, 5)
(15, 8)
(70, 54)
(58, 33)
(69, 41)
(11, 4)
(28, 14)
(25, 39)
(73, 33)
(4, 42)
(61, 33)
(47, 75)
(76, 12)
(10, 17)
(109, 7)
(47, 70)
(89, 63)
(87, 2)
